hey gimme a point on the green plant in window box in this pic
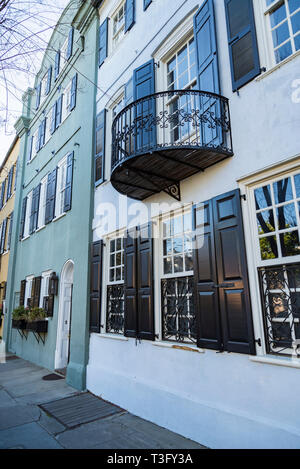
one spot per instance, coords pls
(37, 320)
(19, 317)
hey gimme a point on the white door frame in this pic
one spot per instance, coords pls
(66, 277)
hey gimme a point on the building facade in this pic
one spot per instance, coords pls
(51, 234)
(8, 173)
(195, 263)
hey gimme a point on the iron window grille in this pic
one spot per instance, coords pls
(115, 309)
(280, 293)
(178, 313)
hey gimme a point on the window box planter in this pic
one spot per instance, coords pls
(37, 326)
(19, 324)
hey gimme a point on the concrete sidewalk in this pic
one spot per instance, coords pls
(24, 423)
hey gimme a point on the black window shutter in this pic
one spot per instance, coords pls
(69, 182)
(242, 42)
(38, 140)
(129, 14)
(2, 193)
(34, 209)
(130, 283)
(23, 214)
(16, 173)
(145, 302)
(3, 236)
(10, 230)
(36, 292)
(43, 133)
(73, 92)
(70, 43)
(22, 292)
(56, 65)
(222, 300)
(205, 274)
(235, 305)
(58, 111)
(9, 185)
(31, 216)
(38, 95)
(144, 85)
(96, 285)
(100, 146)
(50, 306)
(206, 48)
(53, 118)
(50, 197)
(49, 76)
(146, 4)
(103, 42)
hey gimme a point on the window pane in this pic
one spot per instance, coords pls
(168, 265)
(268, 248)
(265, 222)
(294, 5)
(178, 228)
(297, 184)
(280, 34)
(297, 42)
(283, 190)
(286, 216)
(278, 15)
(167, 247)
(295, 19)
(290, 244)
(112, 245)
(263, 197)
(177, 245)
(178, 264)
(283, 52)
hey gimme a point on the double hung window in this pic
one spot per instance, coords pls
(118, 25)
(284, 24)
(115, 286)
(61, 187)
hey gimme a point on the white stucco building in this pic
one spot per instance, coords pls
(195, 322)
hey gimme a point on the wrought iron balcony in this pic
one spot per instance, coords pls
(161, 139)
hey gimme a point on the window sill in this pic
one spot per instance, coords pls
(277, 66)
(113, 337)
(186, 347)
(26, 237)
(59, 216)
(40, 228)
(279, 361)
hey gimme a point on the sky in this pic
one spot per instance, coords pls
(37, 20)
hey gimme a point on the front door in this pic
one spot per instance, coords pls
(66, 324)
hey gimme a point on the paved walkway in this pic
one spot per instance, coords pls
(24, 423)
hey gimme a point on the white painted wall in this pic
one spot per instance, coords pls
(221, 400)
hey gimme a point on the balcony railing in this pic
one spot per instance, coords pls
(174, 133)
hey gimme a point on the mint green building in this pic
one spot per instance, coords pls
(54, 199)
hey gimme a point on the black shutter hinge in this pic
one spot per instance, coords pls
(263, 69)
(244, 197)
(258, 342)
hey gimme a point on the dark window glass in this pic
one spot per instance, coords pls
(278, 15)
(263, 197)
(290, 244)
(265, 222)
(295, 19)
(268, 248)
(283, 52)
(283, 191)
(294, 5)
(286, 216)
(280, 34)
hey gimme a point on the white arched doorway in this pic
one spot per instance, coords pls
(64, 316)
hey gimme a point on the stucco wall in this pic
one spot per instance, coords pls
(221, 400)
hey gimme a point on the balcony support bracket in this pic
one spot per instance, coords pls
(174, 191)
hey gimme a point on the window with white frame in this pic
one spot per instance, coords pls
(28, 289)
(61, 186)
(181, 75)
(283, 18)
(48, 126)
(27, 215)
(44, 287)
(44, 86)
(115, 285)
(66, 101)
(42, 204)
(277, 210)
(63, 53)
(34, 144)
(118, 25)
(177, 280)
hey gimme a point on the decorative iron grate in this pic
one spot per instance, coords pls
(280, 291)
(178, 313)
(115, 309)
